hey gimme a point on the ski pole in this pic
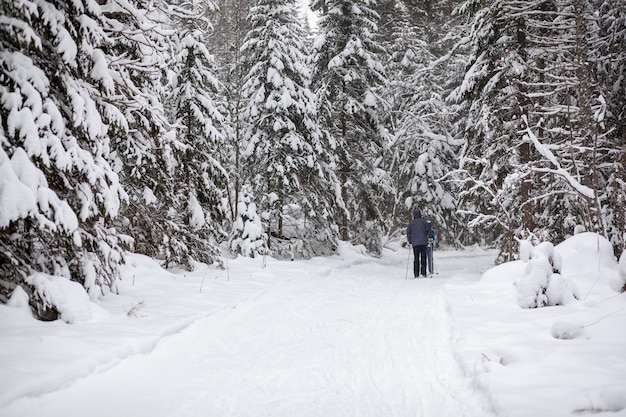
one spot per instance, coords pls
(408, 256)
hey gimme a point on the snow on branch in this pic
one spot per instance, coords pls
(557, 170)
(471, 184)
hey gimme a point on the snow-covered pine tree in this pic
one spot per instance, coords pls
(199, 176)
(248, 237)
(552, 63)
(422, 149)
(283, 142)
(348, 78)
(230, 28)
(612, 80)
(489, 176)
(404, 47)
(142, 149)
(58, 192)
(516, 79)
(567, 119)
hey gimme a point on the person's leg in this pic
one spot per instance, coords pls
(430, 260)
(416, 265)
(423, 255)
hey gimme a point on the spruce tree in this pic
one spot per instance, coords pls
(199, 176)
(283, 143)
(422, 150)
(502, 89)
(611, 46)
(144, 148)
(230, 28)
(248, 237)
(540, 84)
(348, 79)
(58, 191)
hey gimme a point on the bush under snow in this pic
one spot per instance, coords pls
(67, 297)
(542, 284)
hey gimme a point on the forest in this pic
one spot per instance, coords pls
(189, 130)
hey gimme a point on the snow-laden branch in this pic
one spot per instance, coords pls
(557, 170)
(504, 220)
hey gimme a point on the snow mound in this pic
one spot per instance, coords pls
(17, 308)
(19, 299)
(542, 284)
(589, 261)
(69, 298)
(349, 251)
(566, 328)
(587, 253)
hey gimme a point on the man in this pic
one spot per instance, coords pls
(417, 236)
(431, 247)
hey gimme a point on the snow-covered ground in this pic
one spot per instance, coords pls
(552, 361)
(345, 335)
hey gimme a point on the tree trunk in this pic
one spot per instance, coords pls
(345, 171)
(525, 148)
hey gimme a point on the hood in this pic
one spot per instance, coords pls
(417, 214)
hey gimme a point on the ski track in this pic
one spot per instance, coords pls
(346, 342)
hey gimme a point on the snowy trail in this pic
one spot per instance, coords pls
(359, 341)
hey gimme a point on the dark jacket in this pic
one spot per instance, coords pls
(417, 230)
